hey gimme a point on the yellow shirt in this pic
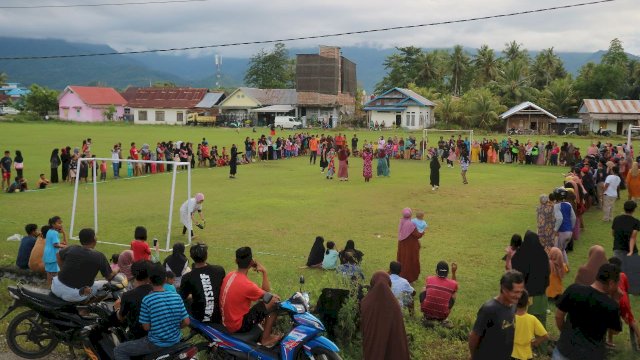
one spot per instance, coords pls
(527, 328)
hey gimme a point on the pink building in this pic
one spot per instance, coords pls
(88, 103)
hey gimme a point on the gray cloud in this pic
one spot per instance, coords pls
(202, 23)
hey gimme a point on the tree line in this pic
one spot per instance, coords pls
(471, 90)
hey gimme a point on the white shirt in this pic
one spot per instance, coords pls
(401, 288)
(188, 207)
(614, 182)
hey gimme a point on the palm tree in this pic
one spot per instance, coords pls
(514, 84)
(483, 109)
(430, 69)
(458, 64)
(448, 110)
(560, 98)
(487, 65)
(514, 51)
(546, 68)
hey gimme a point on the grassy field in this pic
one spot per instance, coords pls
(278, 208)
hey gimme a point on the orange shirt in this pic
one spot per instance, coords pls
(555, 285)
(633, 185)
(236, 294)
(313, 144)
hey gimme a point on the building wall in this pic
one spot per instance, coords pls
(389, 118)
(170, 116)
(238, 100)
(413, 117)
(71, 107)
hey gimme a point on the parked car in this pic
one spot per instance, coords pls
(8, 110)
(287, 122)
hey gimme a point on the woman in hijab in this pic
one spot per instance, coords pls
(587, 273)
(383, 333)
(343, 163)
(533, 262)
(317, 253)
(55, 163)
(367, 159)
(350, 247)
(558, 271)
(383, 167)
(408, 247)
(177, 263)
(546, 222)
(125, 260)
(434, 176)
(18, 163)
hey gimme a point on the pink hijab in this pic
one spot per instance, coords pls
(406, 227)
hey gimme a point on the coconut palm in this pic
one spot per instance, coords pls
(514, 51)
(559, 97)
(483, 109)
(448, 110)
(431, 69)
(547, 67)
(486, 64)
(514, 84)
(458, 65)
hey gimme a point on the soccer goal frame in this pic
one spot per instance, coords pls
(425, 137)
(629, 131)
(95, 194)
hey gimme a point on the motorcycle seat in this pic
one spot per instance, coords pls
(251, 336)
(45, 296)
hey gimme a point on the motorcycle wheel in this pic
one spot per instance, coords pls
(318, 354)
(26, 338)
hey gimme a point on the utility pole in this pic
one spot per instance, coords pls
(218, 62)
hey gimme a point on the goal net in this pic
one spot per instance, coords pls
(124, 199)
(426, 142)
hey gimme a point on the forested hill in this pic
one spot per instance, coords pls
(121, 71)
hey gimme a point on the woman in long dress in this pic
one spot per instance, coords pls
(408, 247)
(367, 159)
(55, 163)
(343, 162)
(546, 222)
(383, 169)
(434, 176)
(475, 152)
(331, 167)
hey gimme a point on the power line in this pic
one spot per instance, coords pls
(526, 12)
(98, 5)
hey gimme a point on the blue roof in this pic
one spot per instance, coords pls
(384, 108)
(410, 94)
(18, 92)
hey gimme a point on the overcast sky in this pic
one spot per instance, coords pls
(223, 21)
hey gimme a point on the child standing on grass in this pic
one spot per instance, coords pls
(103, 171)
(529, 331)
(52, 246)
(129, 167)
(464, 166)
(330, 261)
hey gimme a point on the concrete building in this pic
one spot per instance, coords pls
(155, 106)
(609, 114)
(402, 108)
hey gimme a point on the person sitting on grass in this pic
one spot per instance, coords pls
(400, 287)
(350, 269)
(26, 245)
(19, 185)
(622, 297)
(316, 255)
(162, 314)
(529, 331)
(439, 295)
(330, 261)
(42, 182)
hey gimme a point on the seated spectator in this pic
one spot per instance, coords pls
(440, 294)
(350, 246)
(529, 331)
(350, 269)
(19, 185)
(79, 265)
(162, 314)
(43, 182)
(26, 246)
(114, 262)
(201, 286)
(330, 260)
(400, 287)
(125, 261)
(139, 246)
(128, 307)
(170, 281)
(316, 255)
(237, 293)
(177, 263)
(36, 264)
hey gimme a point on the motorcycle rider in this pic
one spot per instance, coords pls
(79, 265)
(238, 292)
(162, 314)
(202, 286)
(128, 306)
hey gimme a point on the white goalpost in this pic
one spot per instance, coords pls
(95, 194)
(425, 137)
(629, 131)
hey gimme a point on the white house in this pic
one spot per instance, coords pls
(610, 114)
(402, 108)
(153, 106)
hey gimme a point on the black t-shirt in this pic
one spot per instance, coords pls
(590, 314)
(203, 284)
(81, 265)
(495, 324)
(130, 309)
(354, 143)
(623, 226)
(5, 162)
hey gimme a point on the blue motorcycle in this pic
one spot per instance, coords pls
(302, 342)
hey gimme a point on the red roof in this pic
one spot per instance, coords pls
(92, 95)
(164, 98)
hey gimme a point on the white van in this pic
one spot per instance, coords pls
(287, 122)
(7, 110)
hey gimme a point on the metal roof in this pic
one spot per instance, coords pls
(415, 96)
(275, 109)
(522, 107)
(610, 106)
(271, 96)
(210, 100)
(568, 121)
(406, 92)
(95, 95)
(163, 98)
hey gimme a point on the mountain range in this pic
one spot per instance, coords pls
(120, 71)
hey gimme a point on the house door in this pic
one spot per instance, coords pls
(619, 128)
(398, 120)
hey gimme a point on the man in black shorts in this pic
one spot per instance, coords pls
(201, 286)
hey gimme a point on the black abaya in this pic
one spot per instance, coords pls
(434, 177)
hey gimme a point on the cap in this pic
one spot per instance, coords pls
(442, 269)
(199, 197)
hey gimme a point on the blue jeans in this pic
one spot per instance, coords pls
(142, 346)
(557, 355)
(116, 169)
(70, 294)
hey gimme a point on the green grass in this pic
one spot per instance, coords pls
(279, 207)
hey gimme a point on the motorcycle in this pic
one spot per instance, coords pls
(49, 321)
(514, 131)
(302, 342)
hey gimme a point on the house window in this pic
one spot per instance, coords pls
(77, 112)
(142, 115)
(159, 115)
(127, 111)
(408, 119)
(180, 116)
(413, 119)
(421, 120)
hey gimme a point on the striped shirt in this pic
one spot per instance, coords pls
(164, 311)
(436, 304)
